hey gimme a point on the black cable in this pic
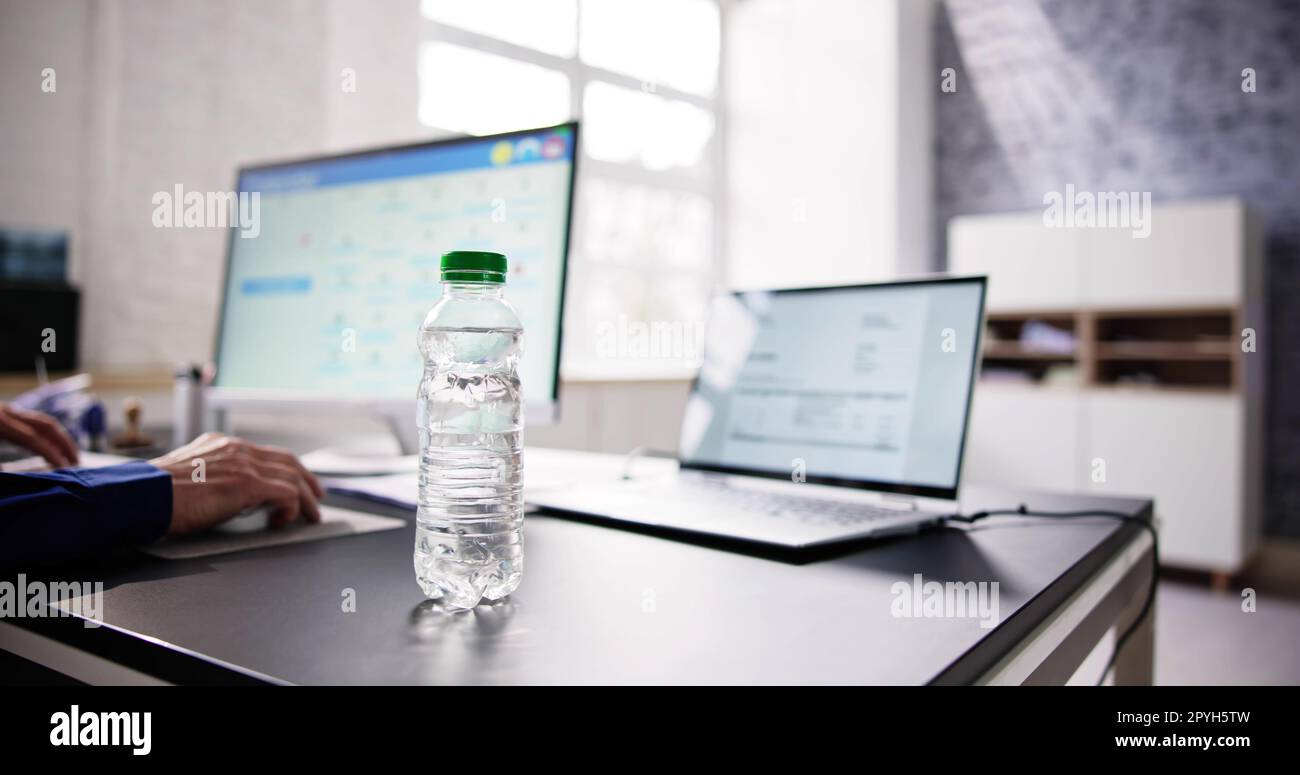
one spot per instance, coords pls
(1025, 511)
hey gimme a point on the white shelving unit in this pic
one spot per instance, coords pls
(1157, 397)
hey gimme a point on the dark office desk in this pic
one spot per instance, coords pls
(606, 605)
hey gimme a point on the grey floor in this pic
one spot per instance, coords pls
(1204, 637)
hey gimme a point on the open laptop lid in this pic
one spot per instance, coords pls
(865, 386)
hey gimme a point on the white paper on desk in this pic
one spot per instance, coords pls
(544, 469)
(334, 522)
(326, 462)
(86, 459)
(395, 489)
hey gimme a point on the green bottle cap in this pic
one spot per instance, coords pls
(473, 266)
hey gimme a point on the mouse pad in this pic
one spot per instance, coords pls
(334, 522)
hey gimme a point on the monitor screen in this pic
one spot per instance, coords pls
(868, 385)
(326, 297)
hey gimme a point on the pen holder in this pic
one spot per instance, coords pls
(187, 404)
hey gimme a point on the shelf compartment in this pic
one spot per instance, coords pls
(1005, 337)
(1213, 373)
(1165, 326)
(1174, 351)
(1014, 351)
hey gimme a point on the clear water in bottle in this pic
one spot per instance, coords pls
(469, 542)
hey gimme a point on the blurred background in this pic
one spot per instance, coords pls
(750, 144)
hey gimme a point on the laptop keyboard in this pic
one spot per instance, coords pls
(805, 509)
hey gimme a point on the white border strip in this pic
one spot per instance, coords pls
(74, 663)
(1015, 668)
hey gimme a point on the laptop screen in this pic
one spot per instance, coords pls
(866, 386)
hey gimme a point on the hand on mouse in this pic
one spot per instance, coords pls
(38, 433)
(236, 475)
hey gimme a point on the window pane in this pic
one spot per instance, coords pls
(632, 319)
(464, 90)
(641, 260)
(625, 125)
(546, 25)
(673, 42)
(645, 226)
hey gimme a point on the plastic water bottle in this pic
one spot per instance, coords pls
(469, 542)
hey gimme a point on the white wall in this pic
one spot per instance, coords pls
(42, 135)
(915, 83)
(828, 140)
(154, 94)
(380, 40)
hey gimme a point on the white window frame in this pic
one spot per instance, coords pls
(580, 74)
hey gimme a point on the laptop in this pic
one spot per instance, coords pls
(818, 415)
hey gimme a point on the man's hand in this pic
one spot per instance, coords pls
(236, 475)
(38, 433)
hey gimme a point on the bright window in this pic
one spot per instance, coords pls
(544, 25)
(628, 125)
(643, 77)
(668, 42)
(453, 80)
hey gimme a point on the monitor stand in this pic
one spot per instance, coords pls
(369, 455)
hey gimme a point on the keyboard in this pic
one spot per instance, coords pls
(806, 509)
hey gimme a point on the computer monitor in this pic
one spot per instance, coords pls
(322, 306)
(864, 386)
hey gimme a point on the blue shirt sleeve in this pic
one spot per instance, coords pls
(79, 512)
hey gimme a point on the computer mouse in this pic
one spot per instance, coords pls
(249, 520)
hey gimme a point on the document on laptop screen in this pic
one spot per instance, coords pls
(868, 383)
